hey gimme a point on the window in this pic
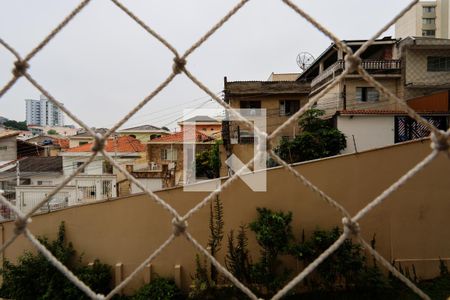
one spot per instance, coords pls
(82, 143)
(78, 164)
(168, 154)
(438, 63)
(428, 21)
(204, 129)
(289, 107)
(254, 107)
(365, 94)
(3, 147)
(428, 32)
(429, 9)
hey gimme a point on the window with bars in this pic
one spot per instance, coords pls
(428, 21)
(367, 94)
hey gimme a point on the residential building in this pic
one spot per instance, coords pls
(8, 145)
(408, 68)
(427, 18)
(280, 100)
(43, 112)
(381, 60)
(60, 130)
(83, 138)
(203, 124)
(426, 66)
(373, 128)
(125, 150)
(283, 76)
(144, 133)
(167, 152)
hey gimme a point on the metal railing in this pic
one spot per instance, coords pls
(368, 64)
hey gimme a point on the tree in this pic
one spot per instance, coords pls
(207, 163)
(52, 131)
(318, 138)
(12, 124)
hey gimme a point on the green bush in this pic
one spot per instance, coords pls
(34, 277)
(158, 289)
(317, 139)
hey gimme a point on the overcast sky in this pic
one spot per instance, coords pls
(103, 63)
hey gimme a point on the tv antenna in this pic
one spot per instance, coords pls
(304, 60)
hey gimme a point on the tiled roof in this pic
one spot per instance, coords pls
(143, 128)
(382, 112)
(201, 119)
(63, 143)
(123, 144)
(40, 164)
(179, 138)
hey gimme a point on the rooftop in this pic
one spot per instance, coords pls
(178, 138)
(201, 119)
(122, 144)
(146, 127)
(248, 88)
(8, 133)
(34, 164)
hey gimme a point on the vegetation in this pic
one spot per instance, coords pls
(158, 289)
(52, 131)
(16, 125)
(207, 163)
(34, 277)
(317, 139)
(204, 281)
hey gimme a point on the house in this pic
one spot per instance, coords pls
(8, 145)
(167, 152)
(144, 133)
(408, 68)
(203, 124)
(154, 177)
(124, 149)
(373, 128)
(83, 138)
(60, 130)
(280, 99)
(52, 144)
(381, 60)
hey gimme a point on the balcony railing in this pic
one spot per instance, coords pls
(368, 64)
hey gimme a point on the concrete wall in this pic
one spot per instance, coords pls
(152, 184)
(8, 148)
(409, 24)
(94, 168)
(416, 68)
(412, 223)
(368, 131)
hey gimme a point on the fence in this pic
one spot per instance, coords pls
(440, 143)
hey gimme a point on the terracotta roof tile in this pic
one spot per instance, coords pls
(179, 138)
(123, 144)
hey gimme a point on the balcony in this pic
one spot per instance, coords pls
(371, 65)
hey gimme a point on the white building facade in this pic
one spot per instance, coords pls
(427, 19)
(42, 112)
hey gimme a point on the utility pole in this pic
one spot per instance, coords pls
(18, 173)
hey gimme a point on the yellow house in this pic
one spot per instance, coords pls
(144, 133)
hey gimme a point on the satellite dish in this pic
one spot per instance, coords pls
(304, 60)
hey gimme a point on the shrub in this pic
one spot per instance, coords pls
(34, 277)
(159, 289)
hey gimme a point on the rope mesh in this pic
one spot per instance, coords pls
(439, 143)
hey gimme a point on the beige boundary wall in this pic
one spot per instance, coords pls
(413, 223)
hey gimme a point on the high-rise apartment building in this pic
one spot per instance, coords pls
(43, 113)
(427, 19)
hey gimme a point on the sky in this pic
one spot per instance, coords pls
(103, 63)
